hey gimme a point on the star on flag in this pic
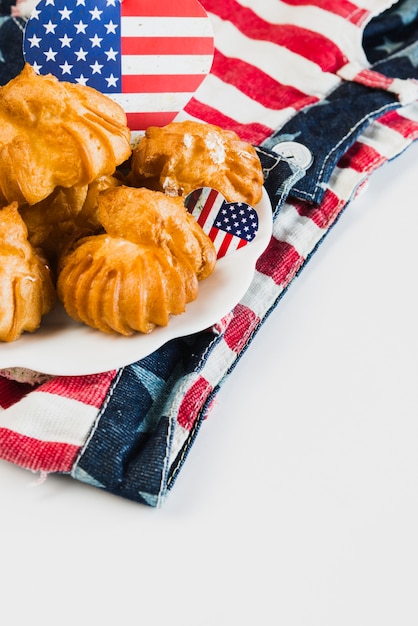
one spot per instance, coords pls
(229, 225)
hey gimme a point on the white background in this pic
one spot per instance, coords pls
(298, 504)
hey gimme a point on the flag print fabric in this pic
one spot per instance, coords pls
(337, 77)
(149, 57)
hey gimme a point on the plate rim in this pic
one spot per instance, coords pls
(21, 360)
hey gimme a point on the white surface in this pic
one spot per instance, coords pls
(56, 347)
(298, 505)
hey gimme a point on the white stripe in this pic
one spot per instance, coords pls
(385, 140)
(276, 121)
(300, 232)
(261, 294)
(180, 436)
(345, 181)
(405, 89)
(183, 116)
(350, 70)
(409, 112)
(210, 217)
(239, 107)
(281, 64)
(140, 26)
(338, 29)
(217, 363)
(235, 242)
(147, 103)
(166, 64)
(217, 241)
(375, 6)
(49, 417)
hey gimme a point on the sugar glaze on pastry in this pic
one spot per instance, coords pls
(184, 156)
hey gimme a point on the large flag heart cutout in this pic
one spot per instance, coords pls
(149, 56)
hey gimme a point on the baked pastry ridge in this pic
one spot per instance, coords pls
(144, 268)
(54, 133)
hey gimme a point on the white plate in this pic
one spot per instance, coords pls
(64, 347)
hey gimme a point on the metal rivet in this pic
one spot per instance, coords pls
(296, 152)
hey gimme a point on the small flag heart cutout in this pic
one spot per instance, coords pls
(230, 225)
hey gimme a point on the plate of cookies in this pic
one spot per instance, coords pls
(109, 248)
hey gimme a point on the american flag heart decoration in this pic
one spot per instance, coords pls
(149, 56)
(230, 225)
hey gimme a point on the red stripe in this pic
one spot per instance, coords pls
(343, 8)
(223, 248)
(405, 127)
(162, 8)
(158, 83)
(213, 233)
(324, 214)
(361, 158)
(192, 402)
(12, 391)
(257, 85)
(240, 328)
(306, 43)
(207, 207)
(373, 79)
(141, 121)
(253, 132)
(167, 45)
(90, 390)
(41, 456)
(280, 261)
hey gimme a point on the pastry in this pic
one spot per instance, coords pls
(184, 156)
(26, 289)
(53, 221)
(55, 133)
(142, 269)
(152, 218)
(65, 215)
